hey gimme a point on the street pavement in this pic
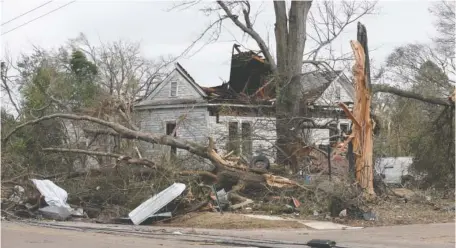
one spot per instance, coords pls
(88, 235)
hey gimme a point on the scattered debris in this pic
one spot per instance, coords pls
(53, 194)
(154, 204)
(221, 198)
(56, 199)
(242, 204)
(403, 192)
(55, 212)
(343, 213)
(289, 208)
(449, 208)
(296, 202)
(369, 215)
(18, 193)
(79, 212)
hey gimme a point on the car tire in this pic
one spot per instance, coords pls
(260, 162)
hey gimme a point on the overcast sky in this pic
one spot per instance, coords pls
(164, 32)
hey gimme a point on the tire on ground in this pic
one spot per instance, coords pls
(260, 162)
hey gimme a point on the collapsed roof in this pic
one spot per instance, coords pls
(248, 74)
(250, 79)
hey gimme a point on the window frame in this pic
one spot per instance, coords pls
(171, 89)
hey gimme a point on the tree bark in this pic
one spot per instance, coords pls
(290, 50)
(281, 34)
(362, 131)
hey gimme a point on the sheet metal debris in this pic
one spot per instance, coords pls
(221, 198)
(53, 194)
(56, 198)
(154, 204)
(55, 212)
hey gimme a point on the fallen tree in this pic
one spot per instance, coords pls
(238, 172)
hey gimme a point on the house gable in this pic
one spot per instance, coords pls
(182, 85)
(339, 90)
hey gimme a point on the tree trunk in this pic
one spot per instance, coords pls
(290, 50)
(362, 132)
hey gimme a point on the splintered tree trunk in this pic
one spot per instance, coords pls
(362, 132)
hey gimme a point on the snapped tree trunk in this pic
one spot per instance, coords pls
(362, 132)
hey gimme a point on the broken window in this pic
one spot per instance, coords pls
(246, 139)
(171, 130)
(173, 92)
(233, 138)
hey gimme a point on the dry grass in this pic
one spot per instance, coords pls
(229, 221)
(401, 213)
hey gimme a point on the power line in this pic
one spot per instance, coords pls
(26, 13)
(38, 17)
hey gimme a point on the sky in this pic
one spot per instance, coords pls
(164, 32)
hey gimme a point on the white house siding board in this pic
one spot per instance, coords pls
(321, 136)
(263, 133)
(191, 125)
(184, 89)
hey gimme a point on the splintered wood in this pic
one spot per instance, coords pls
(362, 135)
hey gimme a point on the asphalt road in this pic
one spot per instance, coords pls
(84, 235)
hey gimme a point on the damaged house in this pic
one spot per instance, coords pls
(239, 114)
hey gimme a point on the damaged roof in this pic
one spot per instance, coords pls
(248, 75)
(315, 83)
(250, 81)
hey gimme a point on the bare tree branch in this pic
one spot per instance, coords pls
(4, 78)
(329, 23)
(252, 34)
(119, 157)
(124, 132)
(389, 89)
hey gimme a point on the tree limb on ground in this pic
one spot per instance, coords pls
(119, 157)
